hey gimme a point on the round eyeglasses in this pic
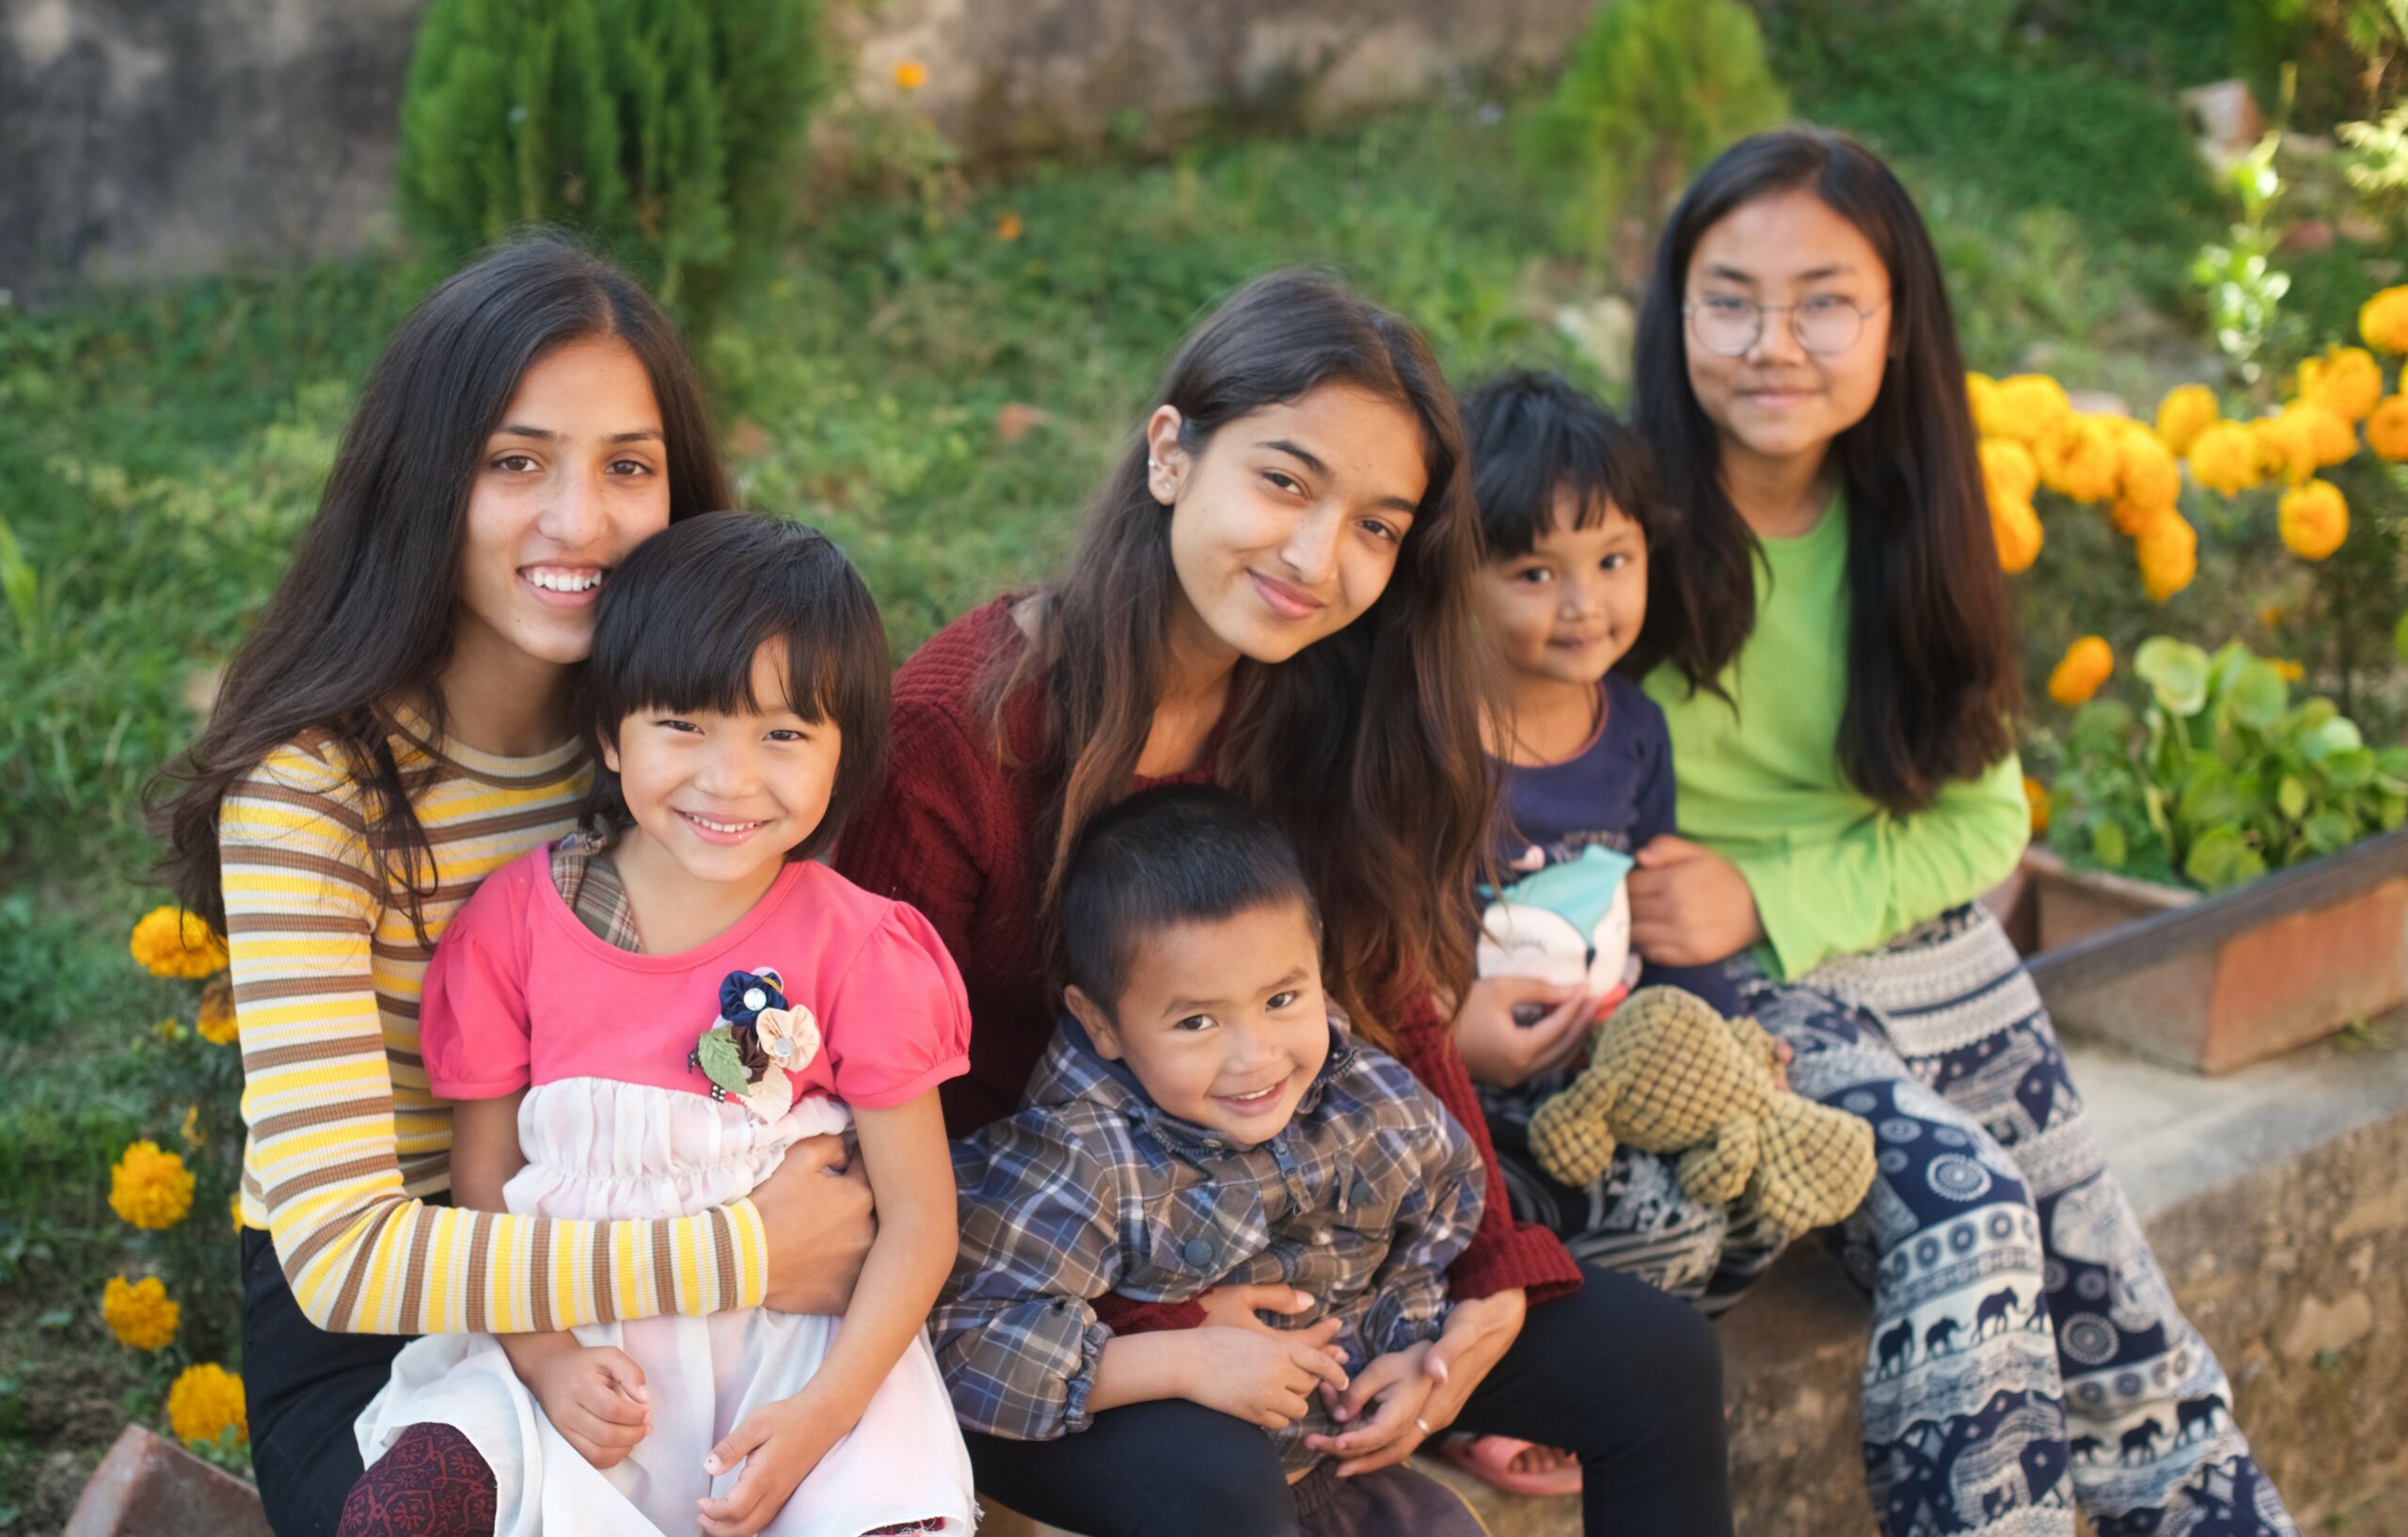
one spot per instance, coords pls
(1825, 325)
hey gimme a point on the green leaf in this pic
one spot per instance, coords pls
(2109, 845)
(2328, 831)
(2258, 695)
(2350, 771)
(2337, 735)
(2399, 635)
(2216, 856)
(2293, 797)
(722, 1063)
(2175, 671)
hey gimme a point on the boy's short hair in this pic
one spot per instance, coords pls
(683, 615)
(1532, 432)
(1181, 853)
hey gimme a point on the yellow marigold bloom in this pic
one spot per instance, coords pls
(2080, 458)
(149, 1188)
(2271, 615)
(1008, 226)
(2224, 457)
(2131, 516)
(2285, 446)
(2185, 413)
(2287, 669)
(2387, 428)
(2026, 409)
(204, 1401)
(2331, 438)
(2346, 381)
(2147, 471)
(2007, 469)
(235, 1208)
(2016, 529)
(170, 942)
(2168, 550)
(141, 1314)
(216, 1025)
(2314, 518)
(1981, 397)
(2382, 321)
(911, 75)
(2035, 794)
(2085, 665)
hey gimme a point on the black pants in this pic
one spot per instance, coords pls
(1625, 1377)
(303, 1388)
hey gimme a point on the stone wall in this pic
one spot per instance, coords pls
(158, 138)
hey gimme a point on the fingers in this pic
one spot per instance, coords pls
(741, 1442)
(817, 1154)
(1563, 1019)
(1664, 850)
(620, 1370)
(1319, 1365)
(1273, 1299)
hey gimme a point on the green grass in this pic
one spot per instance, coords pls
(164, 449)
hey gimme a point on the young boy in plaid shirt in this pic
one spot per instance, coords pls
(1199, 1120)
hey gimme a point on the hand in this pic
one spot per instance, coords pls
(1476, 1335)
(1397, 1387)
(816, 1211)
(1242, 1307)
(1782, 1056)
(1690, 906)
(1265, 1378)
(779, 1445)
(594, 1395)
(1502, 1053)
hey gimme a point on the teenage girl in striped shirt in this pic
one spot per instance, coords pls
(396, 728)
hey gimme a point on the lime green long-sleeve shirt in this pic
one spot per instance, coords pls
(1759, 780)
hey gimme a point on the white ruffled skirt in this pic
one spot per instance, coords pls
(600, 1150)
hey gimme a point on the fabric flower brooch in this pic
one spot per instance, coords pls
(757, 1040)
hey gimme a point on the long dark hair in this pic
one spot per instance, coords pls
(1932, 685)
(1365, 746)
(682, 619)
(363, 622)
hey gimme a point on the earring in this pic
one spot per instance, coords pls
(1153, 465)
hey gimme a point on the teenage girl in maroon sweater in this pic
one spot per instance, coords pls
(1272, 593)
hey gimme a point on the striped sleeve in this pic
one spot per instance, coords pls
(323, 1168)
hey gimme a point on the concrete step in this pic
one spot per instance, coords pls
(2277, 1200)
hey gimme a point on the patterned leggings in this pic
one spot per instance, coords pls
(2027, 1355)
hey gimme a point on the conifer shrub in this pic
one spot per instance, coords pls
(667, 134)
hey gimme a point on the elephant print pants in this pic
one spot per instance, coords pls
(2027, 1355)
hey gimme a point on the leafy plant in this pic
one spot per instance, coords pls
(1655, 90)
(2218, 777)
(2243, 291)
(667, 133)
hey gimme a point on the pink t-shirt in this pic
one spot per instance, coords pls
(520, 992)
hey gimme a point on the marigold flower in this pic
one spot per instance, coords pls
(216, 1023)
(2287, 669)
(2185, 413)
(170, 942)
(2007, 469)
(2314, 520)
(204, 1401)
(2168, 552)
(2016, 529)
(2382, 321)
(235, 1208)
(2224, 458)
(2271, 615)
(149, 1188)
(190, 1131)
(2085, 665)
(2026, 409)
(2331, 438)
(2346, 381)
(1008, 226)
(2035, 794)
(140, 1314)
(2387, 428)
(2147, 470)
(2285, 446)
(1981, 398)
(2079, 458)
(911, 75)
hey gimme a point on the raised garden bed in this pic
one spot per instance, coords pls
(2214, 983)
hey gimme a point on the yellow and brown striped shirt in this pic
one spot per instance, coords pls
(346, 1142)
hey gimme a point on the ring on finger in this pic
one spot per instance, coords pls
(1422, 1425)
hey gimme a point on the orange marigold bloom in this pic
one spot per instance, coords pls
(2026, 409)
(2080, 458)
(2285, 446)
(2387, 428)
(2330, 438)
(2007, 469)
(2314, 520)
(140, 1313)
(2184, 414)
(2382, 321)
(2148, 472)
(2016, 529)
(2087, 664)
(1008, 226)
(170, 942)
(2225, 458)
(2287, 669)
(1981, 398)
(2035, 794)
(911, 75)
(2168, 552)
(149, 1188)
(204, 1401)
(2346, 381)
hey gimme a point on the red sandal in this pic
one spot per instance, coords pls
(1490, 1459)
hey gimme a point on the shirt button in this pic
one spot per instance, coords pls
(1197, 1253)
(1361, 1194)
(1321, 1237)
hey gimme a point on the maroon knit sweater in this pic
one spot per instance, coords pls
(950, 833)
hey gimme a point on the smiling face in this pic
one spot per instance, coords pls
(573, 478)
(725, 796)
(1285, 527)
(1777, 401)
(1223, 1020)
(1566, 611)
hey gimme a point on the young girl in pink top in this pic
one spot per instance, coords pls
(638, 1020)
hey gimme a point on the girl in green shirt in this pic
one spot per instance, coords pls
(1827, 633)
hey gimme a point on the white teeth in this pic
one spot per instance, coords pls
(565, 581)
(722, 827)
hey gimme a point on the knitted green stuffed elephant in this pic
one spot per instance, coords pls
(1667, 1074)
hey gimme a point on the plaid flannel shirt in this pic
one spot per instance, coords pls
(1362, 1201)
